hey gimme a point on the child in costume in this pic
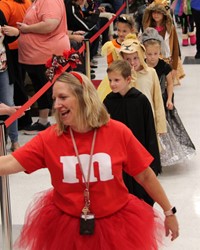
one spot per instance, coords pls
(157, 15)
(176, 143)
(186, 20)
(128, 105)
(89, 206)
(125, 24)
(146, 81)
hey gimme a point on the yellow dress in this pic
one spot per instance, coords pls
(111, 50)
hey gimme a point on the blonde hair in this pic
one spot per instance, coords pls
(123, 68)
(131, 45)
(91, 111)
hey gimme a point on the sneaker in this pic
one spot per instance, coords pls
(34, 128)
(185, 42)
(94, 61)
(193, 40)
(93, 66)
(92, 76)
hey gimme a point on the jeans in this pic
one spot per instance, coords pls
(6, 96)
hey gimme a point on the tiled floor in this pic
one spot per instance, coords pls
(181, 182)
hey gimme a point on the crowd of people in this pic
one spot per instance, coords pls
(108, 144)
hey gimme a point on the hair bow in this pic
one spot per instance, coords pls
(55, 65)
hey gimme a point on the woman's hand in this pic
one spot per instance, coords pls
(10, 31)
(150, 183)
(22, 27)
(171, 227)
(79, 32)
(43, 27)
(101, 9)
(8, 110)
(77, 38)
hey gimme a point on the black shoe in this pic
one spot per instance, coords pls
(92, 71)
(92, 76)
(35, 128)
(93, 66)
(197, 56)
(95, 62)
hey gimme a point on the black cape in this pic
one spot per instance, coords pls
(134, 110)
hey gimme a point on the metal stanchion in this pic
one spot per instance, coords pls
(127, 7)
(87, 57)
(5, 198)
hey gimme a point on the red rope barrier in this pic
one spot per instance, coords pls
(108, 23)
(37, 95)
(33, 99)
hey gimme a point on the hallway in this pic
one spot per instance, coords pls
(181, 182)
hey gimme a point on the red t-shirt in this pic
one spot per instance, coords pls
(115, 149)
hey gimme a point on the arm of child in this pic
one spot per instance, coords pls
(169, 103)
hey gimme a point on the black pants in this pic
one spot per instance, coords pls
(39, 79)
(187, 23)
(196, 15)
(20, 95)
(94, 46)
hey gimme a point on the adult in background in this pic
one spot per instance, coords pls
(14, 11)
(43, 33)
(7, 110)
(87, 20)
(195, 7)
(7, 35)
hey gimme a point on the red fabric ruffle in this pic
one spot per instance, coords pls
(136, 226)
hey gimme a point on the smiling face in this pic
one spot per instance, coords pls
(158, 17)
(123, 29)
(66, 104)
(118, 83)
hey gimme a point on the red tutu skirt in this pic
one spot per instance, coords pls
(135, 227)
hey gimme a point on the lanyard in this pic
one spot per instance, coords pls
(85, 209)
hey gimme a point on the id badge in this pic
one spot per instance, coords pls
(87, 223)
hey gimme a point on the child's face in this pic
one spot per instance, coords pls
(133, 60)
(152, 54)
(123, 29)
(157, 16)
(118, 83)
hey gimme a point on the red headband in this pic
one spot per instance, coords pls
(78, 76)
